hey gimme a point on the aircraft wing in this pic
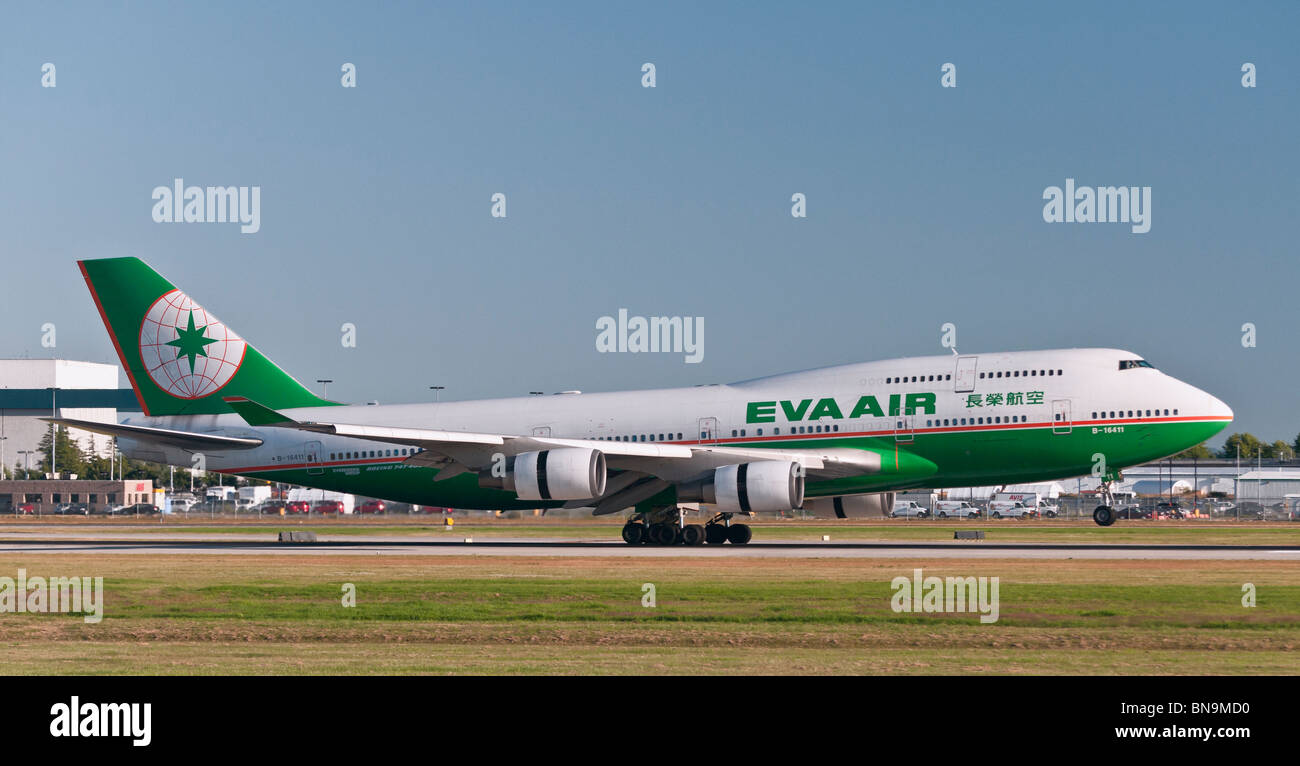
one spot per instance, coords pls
(186, 440)
(459, 452)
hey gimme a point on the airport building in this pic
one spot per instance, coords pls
(31, 389)
(45, 496)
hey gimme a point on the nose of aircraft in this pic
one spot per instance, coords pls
(1218, 409)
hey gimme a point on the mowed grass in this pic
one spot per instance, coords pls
(1136, 532)
(284, 614)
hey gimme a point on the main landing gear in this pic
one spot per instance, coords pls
(668, 527)
(1104, 515)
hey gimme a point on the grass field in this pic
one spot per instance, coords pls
(895, 530)
(526, 614)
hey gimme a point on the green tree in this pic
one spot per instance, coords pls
(70, 458)
(1199, 451)
(1248, 443)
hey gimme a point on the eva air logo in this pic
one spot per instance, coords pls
(188, 353)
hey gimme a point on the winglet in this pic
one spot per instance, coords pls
(255, 414)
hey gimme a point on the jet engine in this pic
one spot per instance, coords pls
(569, 473)
(768, 485)
(871, 506)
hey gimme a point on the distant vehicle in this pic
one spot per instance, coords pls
(372, 506)
(907, 509)
(1135, 511)
(328, 506)
(959, 509)
(1006, 509)
(25, 508)
(1171, 510)
(1249, 509)
(273, 507)
(110, 510)
(1048, 510)
(143, 509)
(76, 509)
(298, 506)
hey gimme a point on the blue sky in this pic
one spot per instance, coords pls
(924, 203)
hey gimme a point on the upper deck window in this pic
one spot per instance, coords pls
(1128, 364)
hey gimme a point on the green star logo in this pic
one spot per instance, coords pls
(191, 342)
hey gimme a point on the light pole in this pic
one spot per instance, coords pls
(435, 390)
(27, 462)
(54, 436)
(326, 384)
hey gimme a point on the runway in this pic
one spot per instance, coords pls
(267, 545)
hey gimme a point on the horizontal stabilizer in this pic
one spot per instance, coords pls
(186, 440)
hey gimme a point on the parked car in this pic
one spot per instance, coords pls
(908, 509)
(1050, 511)
(328, 506)
(273, 508)
(25, 508)
(1133, 511)
(143, 509)
(298, 506)
(110, 510)
(372, 506)
(76, 509)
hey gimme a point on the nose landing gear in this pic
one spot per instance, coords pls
(1104, 515)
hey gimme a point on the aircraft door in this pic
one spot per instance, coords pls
(314, 467)
(963, 381)
(1061, 423)
(904, 425)
(708, 430)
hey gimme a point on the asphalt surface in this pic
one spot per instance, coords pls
(457, 544)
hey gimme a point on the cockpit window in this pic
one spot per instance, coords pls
(1128, 364)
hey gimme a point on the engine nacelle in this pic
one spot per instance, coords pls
(767, 485)
(568, 473)
(873, 506)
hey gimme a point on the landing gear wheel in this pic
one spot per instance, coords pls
(693, 534)
(739, 534)
(1104, 516)
(634, 534)
(664, 534)
(715, 534)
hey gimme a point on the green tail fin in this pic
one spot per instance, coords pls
(181, 360)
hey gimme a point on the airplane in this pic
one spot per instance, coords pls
(847, 436)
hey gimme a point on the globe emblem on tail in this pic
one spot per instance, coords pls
(187, 351)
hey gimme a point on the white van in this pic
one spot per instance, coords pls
(1008, 509)
(908, 509)
(958, 509)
